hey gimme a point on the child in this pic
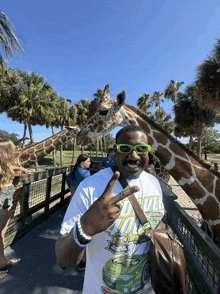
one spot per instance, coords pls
(8, 168)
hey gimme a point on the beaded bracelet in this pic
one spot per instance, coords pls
(76, 238)
(82, 234)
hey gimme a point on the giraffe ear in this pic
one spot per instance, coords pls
(76, 129)
(121, 98)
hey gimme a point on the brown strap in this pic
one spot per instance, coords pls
(142, 217)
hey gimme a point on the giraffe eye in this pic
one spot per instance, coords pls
(103, 112)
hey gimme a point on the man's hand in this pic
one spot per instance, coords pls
(105, 210)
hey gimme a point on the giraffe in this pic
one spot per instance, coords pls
(195, 177)
(161, 172)
(37, 151)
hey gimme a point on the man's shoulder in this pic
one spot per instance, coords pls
(99, 177)
(104, 159)
(149, 177)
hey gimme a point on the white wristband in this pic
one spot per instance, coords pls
(76, 238)
(80, 230)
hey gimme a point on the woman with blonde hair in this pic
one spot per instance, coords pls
(8, 168)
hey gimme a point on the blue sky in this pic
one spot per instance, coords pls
(136, 46)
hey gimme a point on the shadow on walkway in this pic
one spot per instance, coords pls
(38, 272)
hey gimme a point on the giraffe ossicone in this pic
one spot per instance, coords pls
(195, 177)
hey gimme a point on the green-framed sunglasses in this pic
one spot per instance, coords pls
(140, 149)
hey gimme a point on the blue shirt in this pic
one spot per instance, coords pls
(80, 174)
(107, 163)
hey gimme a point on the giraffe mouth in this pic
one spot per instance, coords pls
(83, 141)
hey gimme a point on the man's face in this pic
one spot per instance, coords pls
(132, 164)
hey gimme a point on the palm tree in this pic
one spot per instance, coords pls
(172, 90)
(144, 103)
(9, 87)
(82, 111)
(190, 117)
(208, 80)
(156, 98)
(98, 94)
(10, 91)
(26, 97)
(35, 101)
(180, 132)
(8, 39)
(162, 118)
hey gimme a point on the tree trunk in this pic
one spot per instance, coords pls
(101, 147)
(32, 140)
(97, 146)
(31, 133)
(190, 142)
(199, 147)
(104, 144)
(74, 148)
(24, 136)
(54, 151)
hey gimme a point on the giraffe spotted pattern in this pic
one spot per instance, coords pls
(195, 177)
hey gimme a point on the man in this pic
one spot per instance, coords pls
(116, 248)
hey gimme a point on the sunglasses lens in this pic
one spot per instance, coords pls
(142, 149)
(125, 149)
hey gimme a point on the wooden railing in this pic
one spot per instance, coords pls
(40, 194)
(202, 255)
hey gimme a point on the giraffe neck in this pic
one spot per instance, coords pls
(201, 185)
(37, 151)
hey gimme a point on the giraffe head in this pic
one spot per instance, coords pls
(104, 116)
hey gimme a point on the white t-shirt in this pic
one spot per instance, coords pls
(116, 259)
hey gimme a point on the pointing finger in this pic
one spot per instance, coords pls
(111, 184)
(125, 193)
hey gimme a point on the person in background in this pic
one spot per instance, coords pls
(8, 168)
(77, 175)
(109, 160)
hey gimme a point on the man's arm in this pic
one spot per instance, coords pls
(68, 253)
(101, 215)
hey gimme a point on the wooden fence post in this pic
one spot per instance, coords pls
(216, 166)
(48, 191)
(24, 205)
(63, 187)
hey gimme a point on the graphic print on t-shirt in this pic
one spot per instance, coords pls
(128, 270)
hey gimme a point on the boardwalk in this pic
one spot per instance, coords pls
(38, 272)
